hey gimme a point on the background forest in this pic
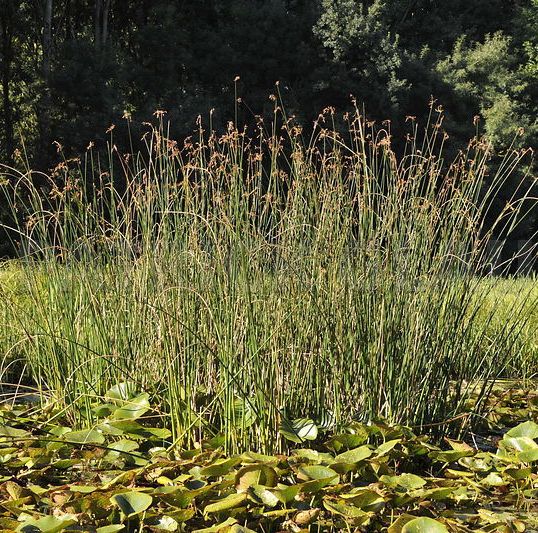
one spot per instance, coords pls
(71, 68)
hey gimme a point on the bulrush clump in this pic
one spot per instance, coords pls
(284, 280)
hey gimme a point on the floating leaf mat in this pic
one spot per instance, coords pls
(124, 475)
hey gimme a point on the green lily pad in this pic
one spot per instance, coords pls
(110, 529)
(124, 445)
(220, 467)
(527, 429)
(354, 456)
(13, 433)
(262, 494)
(529, 456)
(223, 527)
(47, 524)
(255, 475)
(133, 408)
(286, 494)
(299, 430)
(121, 392)
(231, 501)
(406, 481)
(450, 456)
(365, 499)
(352, 514)
(83, 489)
(424, 525)
(347, 441)
(493, 480)
(520, 444)
(399, 523)
(165, 523)
(312, 456)
(317, 472)
(315, 485)
(87, 436)
(386, 447)
(132, 503)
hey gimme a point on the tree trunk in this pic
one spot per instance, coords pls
(104, 27)
(6, 25)
(47, 40)
(45, 103)
(97, 24)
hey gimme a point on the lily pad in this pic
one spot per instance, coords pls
(299, 430)
(121, 392)
(355, 455)
(255, 475)
(527, 429)
(47, 524)
(231, 501)
(132, 503)
(87, 436)
(424, 525)
(133, 408)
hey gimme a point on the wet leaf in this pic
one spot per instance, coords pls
(352, 513)
(450, 456)
(347, 441)
(386, 447)
(110, 529)
(315, 485)
(253, 457)
(286, 494)
(365, 499)
(220, 467)
(263, 495)
(399, 523)
(318, 472)
(223, 527)
(312, 456)
(165, 523)
(13, 433)
(529, 456)
(121, 392)
(406, 481)
(83, 489)
(123, 445)
(493, 480)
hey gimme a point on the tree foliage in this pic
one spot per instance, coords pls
(71, 68)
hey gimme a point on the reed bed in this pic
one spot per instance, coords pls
(251, 279)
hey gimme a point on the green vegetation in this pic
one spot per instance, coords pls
(261, 294)
(248, 283)
(290, 321)
(123, 475)
(71, 68)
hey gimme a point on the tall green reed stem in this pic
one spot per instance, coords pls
(264, 278)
